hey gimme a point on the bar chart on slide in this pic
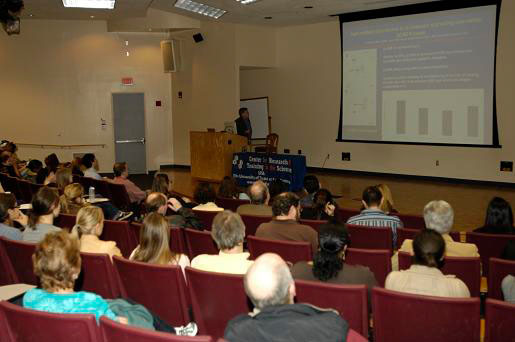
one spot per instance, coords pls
(452, 115)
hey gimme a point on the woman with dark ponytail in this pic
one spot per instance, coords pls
(45, 208)
(329, 261)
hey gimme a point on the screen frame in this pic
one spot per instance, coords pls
(428, 7)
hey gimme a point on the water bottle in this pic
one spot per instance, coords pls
(91, 193)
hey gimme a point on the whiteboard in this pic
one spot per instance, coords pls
(258, 110)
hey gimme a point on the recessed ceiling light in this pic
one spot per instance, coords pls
(102, 4)
(92, 16)
(197, 7)
(246, 2)
(268, 17)
(31, 15)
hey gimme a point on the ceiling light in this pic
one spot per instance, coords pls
(246, 2)
(199, 8)
(102, 4)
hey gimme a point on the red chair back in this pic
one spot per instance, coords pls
(370, 237)
(499, 321)
(315, 224)
(112, 331)
(499, 268)
(86, 182)
(25, 191)
(161, 289)
(467, 269)
(405, 234)
(199, 242)
(101, 188)
(349, 300)
(377, 260)
(489, 246)
(424, 318)
(121, 233)
(33, 325)
(206, 217)
(11, 185)
(292, 251)
(98, 276)
(20, 255)
(230, 203)
(34, 188)
(412, 221)
(7, 274)
(252, 223)
(345, 214)
(119, 195)
(65, 221)
(354, 336)
(216, 299)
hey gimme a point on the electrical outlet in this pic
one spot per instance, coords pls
(437, 163)
(346, 156)
(299, 151)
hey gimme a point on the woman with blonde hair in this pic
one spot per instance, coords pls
(387, 205)
(88, 227)
(71, 201)
(154, 244)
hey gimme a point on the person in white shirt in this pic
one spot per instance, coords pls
(205, 197)
(91, 164)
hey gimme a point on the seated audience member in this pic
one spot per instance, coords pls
(205, 197)
(276, 187)
(228, 231)
(387, 205)
(439, 216)
(329, 261)
(183, 218)
(508, 288)
(8, 165)
(499, 218)
(121, 172)
(31, 171)
(154, 244)
(259, 197)
(45, 208)
(90, 163)
(163, 184)
(324, 207)
(284, 226)
(9, 214)
(88, 228)
(372, 216)
(76, 167)
(71, 200)
(47, 174)
(424, 276)
(63, 177)
(229, 189)
(270, 287)
(311, 185)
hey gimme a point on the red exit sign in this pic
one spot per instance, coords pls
(127, 81)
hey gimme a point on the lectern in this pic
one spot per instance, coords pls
(211, 154)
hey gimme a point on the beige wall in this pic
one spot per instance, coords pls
(56, 83)
(304, 92)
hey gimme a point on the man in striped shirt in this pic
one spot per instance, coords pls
(372, 216)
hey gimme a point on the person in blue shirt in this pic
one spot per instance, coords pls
(9, 213)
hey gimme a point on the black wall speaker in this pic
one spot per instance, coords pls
(198, 37)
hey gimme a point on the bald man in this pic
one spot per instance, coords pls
(184, 217)
(259, 198)
(270, 287)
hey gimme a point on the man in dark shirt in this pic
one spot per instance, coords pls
(243, 125)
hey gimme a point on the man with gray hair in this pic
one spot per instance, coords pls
(270, 287)
(439, 216)
(259, 197)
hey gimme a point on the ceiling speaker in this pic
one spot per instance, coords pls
(198, 37)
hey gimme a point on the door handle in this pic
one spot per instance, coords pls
(141, 141)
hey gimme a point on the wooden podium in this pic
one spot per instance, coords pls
(211, 154)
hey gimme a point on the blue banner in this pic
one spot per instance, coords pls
(248, 167)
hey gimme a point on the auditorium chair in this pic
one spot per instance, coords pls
(345, 214)
(98, 276)
(252, 223)
(119, 195)
(409, 234)
(121, 233)
(411, 221)
(377, 260)
(177, 241)
(292, 251)
(7, 274)
(101, 188)
(112, 331)
(10, 184)
(206, 217)
(467, 269)
(370, 237)
(35, 187)
(199, 242)
(499, 268)
(315, 224)
(216, 299)
(25, 191)
(28, 325)
(65, 221)
(489, 246)
(270, 146)
(230, 203)
(408, 317)
(86, 182)
(349, 300)
(354, 336)
(20, 255)
(161, 289)
(499, 321)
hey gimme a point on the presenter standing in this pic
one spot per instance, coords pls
(243, 126)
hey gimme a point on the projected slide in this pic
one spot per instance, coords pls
(420, 78)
